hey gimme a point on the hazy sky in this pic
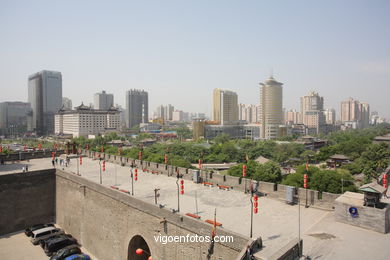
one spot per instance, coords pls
(179, 51)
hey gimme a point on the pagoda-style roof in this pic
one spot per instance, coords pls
(83, 107)
(339, 157)
(373, 187)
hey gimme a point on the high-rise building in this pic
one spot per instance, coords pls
(66, 103)
(13, 117)
(225, 107)
(364, 110)
(330, 116)
(355, 114)
(311, 102)
(137, 108)
(168, 111)
(292, 117)
(349, 110)
(271, 108)
(103, 100)
(177, 116)
(45, 97)
(248, 113)
(159, 113)
(312, 114)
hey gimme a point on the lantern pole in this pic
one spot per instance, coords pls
(178, 192)
(132, 181)
(100, 166)
(251, 190)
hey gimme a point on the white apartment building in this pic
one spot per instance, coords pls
(86, 121)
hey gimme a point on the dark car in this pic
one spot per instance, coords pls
(54, 245)
(78, 257)
(28, 231)
(66, 251)
(45, 241)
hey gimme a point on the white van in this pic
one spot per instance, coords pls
(44, 233)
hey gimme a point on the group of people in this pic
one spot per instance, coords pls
(63, 162)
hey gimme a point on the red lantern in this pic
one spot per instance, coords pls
(104, 166)
(136, 175)
(384, 181)
(244, 170)
(305, 181)
(255, 204)
(81, 160)
(181, 187)
(166, 159)
(139, 251)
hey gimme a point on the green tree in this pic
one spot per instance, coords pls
(375, 159)
(269, 172)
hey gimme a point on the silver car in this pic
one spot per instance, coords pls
(44, 233)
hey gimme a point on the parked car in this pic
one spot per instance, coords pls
(43, 242)
(54, 245)
(78, 257)
(44, 233)
(28, 231)
(66, 251)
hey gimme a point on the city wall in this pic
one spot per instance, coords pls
(26, 199)
(321, 200)
(20, 156)
(105, 220)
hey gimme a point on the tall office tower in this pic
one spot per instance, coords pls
(330, 116)
(311, 102)
(225, 107)
(66, 103)
(349, 110)
(45, 97)
(271, 108)
(103, 101)
(168, 111)
(364, 110)
(137, 109)
(13, 117)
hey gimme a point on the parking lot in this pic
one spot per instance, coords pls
(17, 246)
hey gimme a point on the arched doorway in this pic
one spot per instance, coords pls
(138, 242)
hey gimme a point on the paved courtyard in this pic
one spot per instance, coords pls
(277, 223)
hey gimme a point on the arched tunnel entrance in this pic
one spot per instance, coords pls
(138, 242)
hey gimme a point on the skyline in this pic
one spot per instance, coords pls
(179, 52)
